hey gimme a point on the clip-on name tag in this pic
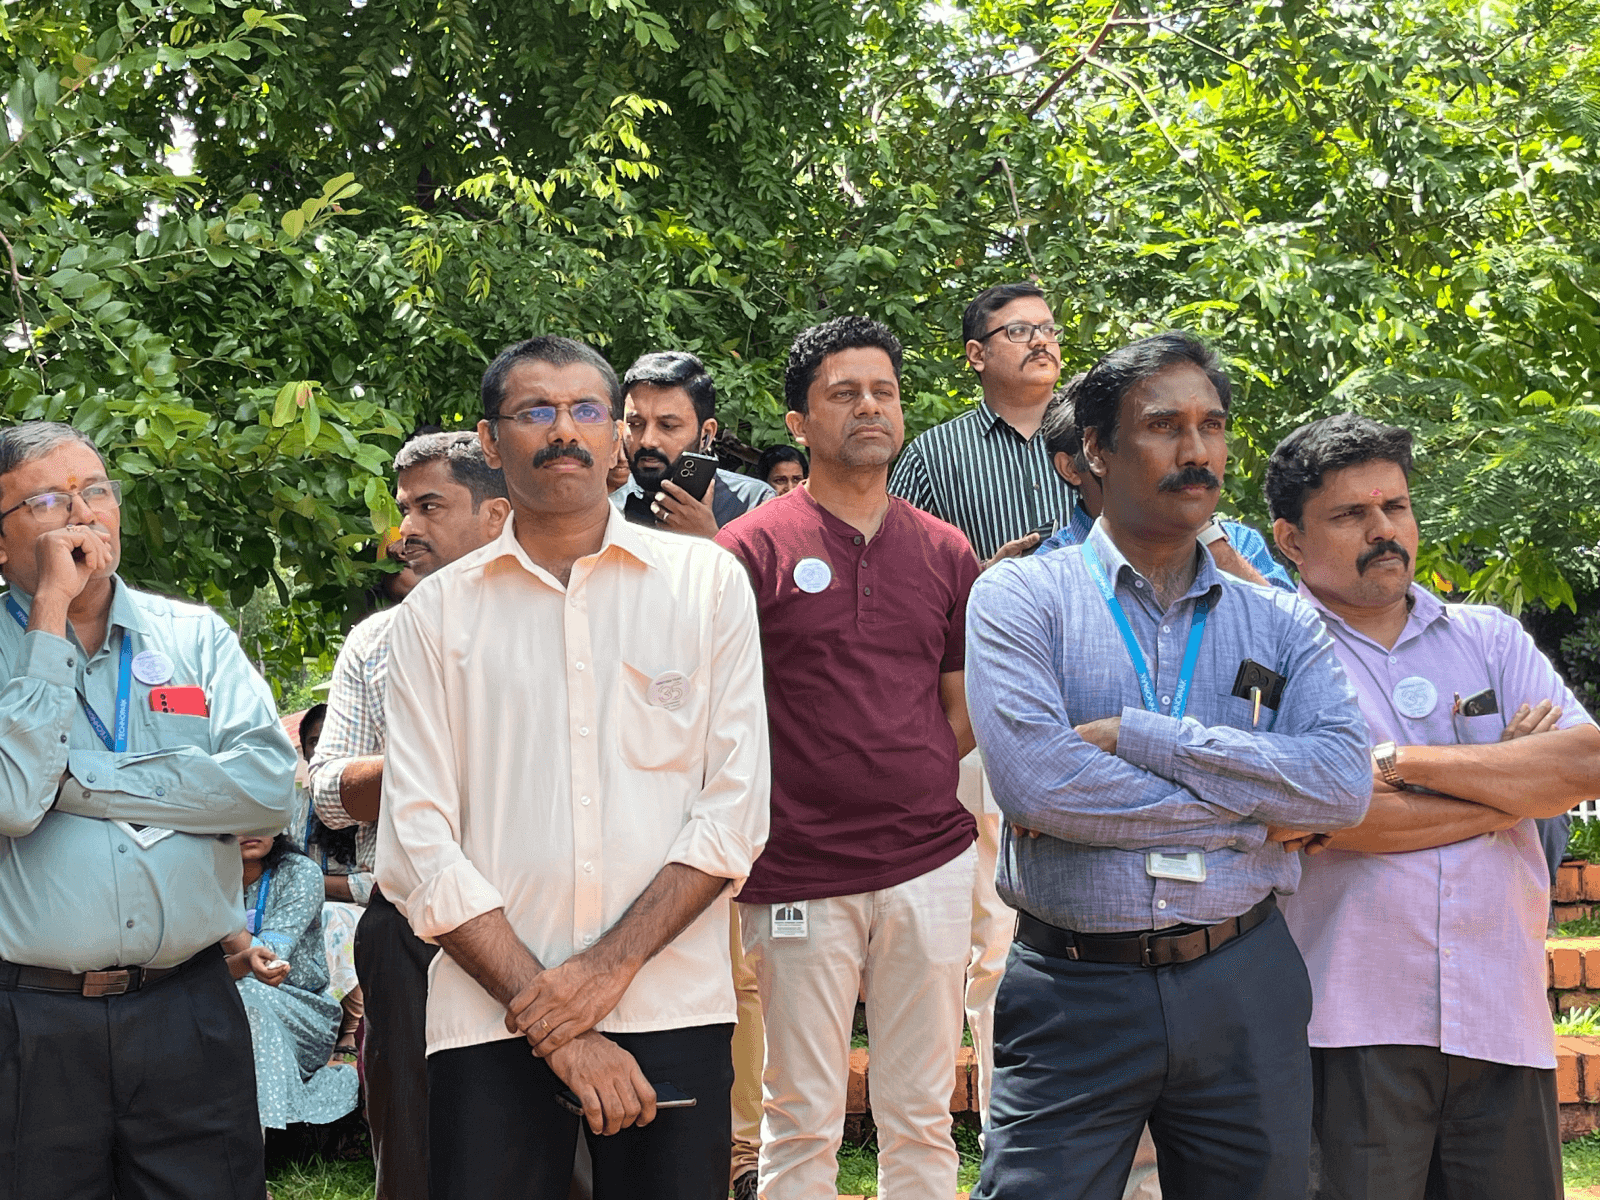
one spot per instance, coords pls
(790, 920)
(145, 835)
(1186, 868)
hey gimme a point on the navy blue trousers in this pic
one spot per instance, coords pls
(1211, 1053)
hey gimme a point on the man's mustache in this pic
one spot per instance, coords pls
(856, 427)
(1190, 476)
(1377, 551)
(550, 453)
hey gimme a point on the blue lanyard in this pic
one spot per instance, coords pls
(256, 921)
(119, 743)
(1191, 652)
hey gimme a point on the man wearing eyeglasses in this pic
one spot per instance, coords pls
(988, 473)
(137, 741)
(576, 781)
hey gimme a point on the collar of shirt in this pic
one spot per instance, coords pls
(1207, 579)
(993, 421)
(1426, 608)
(620, 537)
(125, 611)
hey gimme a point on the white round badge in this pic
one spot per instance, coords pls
(152, 667)
(669, 690)
(812, 575)
(1415, 696)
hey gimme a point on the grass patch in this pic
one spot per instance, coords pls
(1578, 1021)
(1581, 927)
(319, 1179)
(858, 1162)
(1580, 1161)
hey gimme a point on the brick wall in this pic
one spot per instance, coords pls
(1577, 890)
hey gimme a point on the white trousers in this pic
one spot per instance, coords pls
(908, 946)
(994, 924)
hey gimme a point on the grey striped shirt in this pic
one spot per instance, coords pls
(980, 475)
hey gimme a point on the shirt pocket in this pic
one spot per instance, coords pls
(660, 717)
(1237, 711)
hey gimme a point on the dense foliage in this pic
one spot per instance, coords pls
(1391, 206)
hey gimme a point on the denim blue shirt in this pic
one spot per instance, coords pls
(77, 891)
(1252, 547)
(1044, 655)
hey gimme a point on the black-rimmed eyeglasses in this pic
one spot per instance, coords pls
(1023, 331)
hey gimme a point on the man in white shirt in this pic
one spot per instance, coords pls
(577, 772)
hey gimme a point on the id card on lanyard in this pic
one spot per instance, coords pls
(1188, 867)
(116, 742)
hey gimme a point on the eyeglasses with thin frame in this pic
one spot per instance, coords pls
(1023, 331)
(541, 416)
(54, 509)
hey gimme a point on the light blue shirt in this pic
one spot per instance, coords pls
(1044, 655)
(1251, 546)
(77, 892)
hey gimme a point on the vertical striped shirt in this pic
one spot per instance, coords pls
(979, 474)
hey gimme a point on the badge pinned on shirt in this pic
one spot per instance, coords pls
(812, 575)
(789, 920)
(1415, 696)
(152, 667)
(669, 689)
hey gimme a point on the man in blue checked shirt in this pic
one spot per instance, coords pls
(1235, 547)
(1161, 737)
(136, 741)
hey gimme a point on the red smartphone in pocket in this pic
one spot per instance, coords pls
(184, 701)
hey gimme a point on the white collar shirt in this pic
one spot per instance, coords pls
(551, 748)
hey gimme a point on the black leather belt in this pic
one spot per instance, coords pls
(1149, 948)
(116, 981)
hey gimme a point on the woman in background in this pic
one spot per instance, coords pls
(783, 468)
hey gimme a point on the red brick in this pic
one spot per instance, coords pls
(1571, 912)
(1578, 1120)
(1567, 1001)
(1591, 964)
(965, 1096)
(1569, 883)
(1567, 1086)
(1566, 967)
(855, 1095)
(1590, 876)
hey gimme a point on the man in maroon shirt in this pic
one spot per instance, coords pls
(867, 875)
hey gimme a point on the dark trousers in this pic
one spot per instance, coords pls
(392, 965)
(498, 1133)
(145, 1096)
(1211, 1053)
(1412, 1123)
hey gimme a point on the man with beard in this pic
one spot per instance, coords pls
(669, 409)
(1165, 731)
(577, 783)
(451, 502)
(868, 876)
(1423, 926)
(138, 741)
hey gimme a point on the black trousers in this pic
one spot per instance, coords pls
(1413, 1123)
(145, 1096)
(498, 1134)
(1211, 1053)
(392, 965)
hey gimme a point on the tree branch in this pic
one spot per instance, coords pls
(22, 316)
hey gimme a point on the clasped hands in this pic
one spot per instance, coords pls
(557, 1013)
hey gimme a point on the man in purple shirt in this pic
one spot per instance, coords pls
(1423, 927)
(867, 876)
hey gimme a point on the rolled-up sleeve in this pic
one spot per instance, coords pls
(243, 782)
(420, 861)
(1313, 771)
(1044, 775)
(727, 825)
(353, 727)
(36, 710)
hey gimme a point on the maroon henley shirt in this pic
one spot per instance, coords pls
(855, 635)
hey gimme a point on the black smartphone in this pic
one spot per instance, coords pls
(668, 1095)
(694, 473)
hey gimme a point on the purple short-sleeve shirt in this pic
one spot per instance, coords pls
(1441, 947)
(855, 634)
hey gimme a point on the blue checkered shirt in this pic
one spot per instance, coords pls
(1044, 655)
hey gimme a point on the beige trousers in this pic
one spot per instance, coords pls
(994, 924)
(748, 1052)
(908, 946)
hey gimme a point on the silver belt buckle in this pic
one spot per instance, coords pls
(106, 983)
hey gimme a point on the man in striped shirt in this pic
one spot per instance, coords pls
(986, 472)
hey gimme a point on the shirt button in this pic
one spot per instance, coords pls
(1166, 629)
(161, 791)
(1166, 699)
(583, 731)
(63, 739)
(130, 922)
(1393, 659)
(91, 779)
(1138, 583)
(1447, 891)
(578, 665)
(72, 662)
(588, 939)
(1161, 903)
(857, 539)
(866, 591)
(588, 868)
(122, 849)
(584, 801)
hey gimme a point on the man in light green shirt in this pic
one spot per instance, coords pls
(136, 741)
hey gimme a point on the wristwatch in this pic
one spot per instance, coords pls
(1212, 532)
(1384, 754)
